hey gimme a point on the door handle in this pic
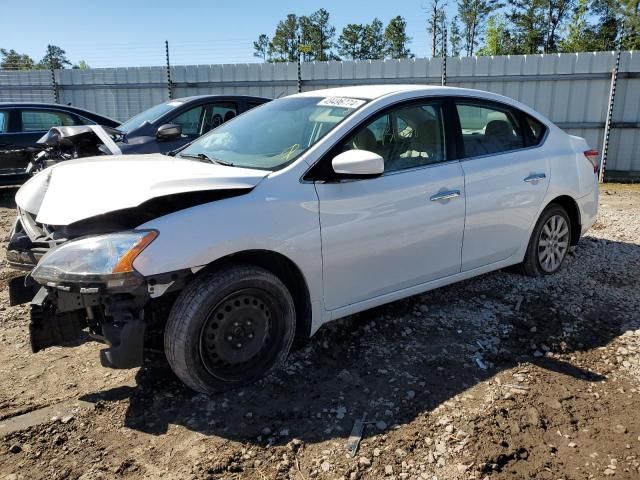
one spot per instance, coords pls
(534, 177)
(448, 195)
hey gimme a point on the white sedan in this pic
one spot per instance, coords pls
(301, 211)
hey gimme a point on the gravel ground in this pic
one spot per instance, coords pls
(498, 377)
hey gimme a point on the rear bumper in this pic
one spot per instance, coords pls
(588, 206)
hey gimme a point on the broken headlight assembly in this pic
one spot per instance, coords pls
(101, 261)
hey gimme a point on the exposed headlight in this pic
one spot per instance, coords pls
(103, 260)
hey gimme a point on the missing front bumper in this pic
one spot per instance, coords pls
(69, 319)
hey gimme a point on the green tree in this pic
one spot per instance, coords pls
(630, 13)
(455, 38)
(351, 41)
(581, 36)
(374, 42)
(473, 14)
(498, 39)
(81, 65)
(55, 58)
(261, 47)
(284, 44)
(608, 24)
(12, 60)
(397, 39)
(557, 12)
(436, 24)
(322, 34)
(528, 22)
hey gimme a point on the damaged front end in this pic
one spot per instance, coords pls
(88, 289)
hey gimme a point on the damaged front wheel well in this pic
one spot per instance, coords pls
(287, 271)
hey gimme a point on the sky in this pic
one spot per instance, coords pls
(132, 33)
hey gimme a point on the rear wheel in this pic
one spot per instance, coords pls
(549, 242)
(229, 328)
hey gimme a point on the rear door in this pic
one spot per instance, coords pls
(401, 229)
(9, 145)
(27, 127)
(506, 179)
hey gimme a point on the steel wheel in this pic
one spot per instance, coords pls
(553, 243)
(235, 337)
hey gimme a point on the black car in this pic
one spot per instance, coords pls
(175, 123)
(22, 124)
(159, 129)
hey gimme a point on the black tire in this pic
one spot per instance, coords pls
(229, 328)
(535, 262)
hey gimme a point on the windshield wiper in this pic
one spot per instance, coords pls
(202, 156)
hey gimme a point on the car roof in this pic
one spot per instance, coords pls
(59, 106)
(202, 97)
(372, 92)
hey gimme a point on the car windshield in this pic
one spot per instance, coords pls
(273, 135)
(149, 115)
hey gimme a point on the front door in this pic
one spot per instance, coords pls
(403, 228)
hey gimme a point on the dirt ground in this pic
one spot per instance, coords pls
(499, 377)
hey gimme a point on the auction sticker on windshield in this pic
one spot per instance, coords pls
(341, 102)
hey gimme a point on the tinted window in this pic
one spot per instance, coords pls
(536, 129)
(148, 116)
(4, 120)
(218, 113)
(406, 138)
(190, 121)
(487, 130)
(39, 120)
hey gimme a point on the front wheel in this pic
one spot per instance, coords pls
(229, 328)
(549, 242)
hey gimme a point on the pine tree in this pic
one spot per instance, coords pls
(374, 43)
(54, 59)
(12, 60)
(529, 22)
(455, 38)
(436, 18)
(397, 39)
(284, 44)
(630, 13)
(473, 14)
(498, 39)
(557, 13)
(581, 36)
(351, 41)
(261, 47)
(322, 34)
(608, 24)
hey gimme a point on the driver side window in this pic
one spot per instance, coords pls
(190, 121)
(405, 138)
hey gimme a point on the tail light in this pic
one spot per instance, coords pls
(594, 159)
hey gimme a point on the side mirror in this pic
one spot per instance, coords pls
(168, 131)
(358, 164)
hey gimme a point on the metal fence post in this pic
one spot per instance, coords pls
(54, 85)
(169, 82)
(299, 67)
(612, 98)
(444, 57)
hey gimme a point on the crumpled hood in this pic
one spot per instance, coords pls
(78, 189)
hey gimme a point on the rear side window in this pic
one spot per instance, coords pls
(487, 129)
(41, 120)
(536, 130)
(4, 120)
